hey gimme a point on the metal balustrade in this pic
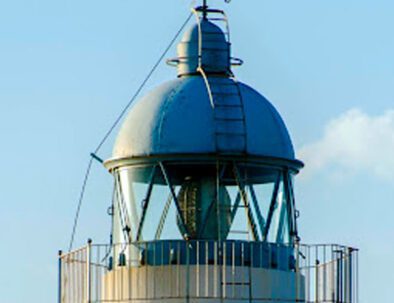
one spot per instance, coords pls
(224, 270)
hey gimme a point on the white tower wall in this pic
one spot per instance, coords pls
(207, 283)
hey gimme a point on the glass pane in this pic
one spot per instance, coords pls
(279, 228)
(239, 229)
(260, 197)
(161, 209)
(132, 184)
(168, 228)
(215, 200)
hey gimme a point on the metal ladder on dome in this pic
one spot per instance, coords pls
(229, 115)
(225, 96)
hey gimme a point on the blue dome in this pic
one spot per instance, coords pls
(179, 118)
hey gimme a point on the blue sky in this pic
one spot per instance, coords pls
(68, 67)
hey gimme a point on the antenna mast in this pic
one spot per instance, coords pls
(204, 9)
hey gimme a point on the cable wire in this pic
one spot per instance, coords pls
(81, 195)
(123, 112)
(114, 125)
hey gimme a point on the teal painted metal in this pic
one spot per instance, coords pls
(214, 55)
(177, 118)
(205, 110)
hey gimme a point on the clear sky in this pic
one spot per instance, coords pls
(68, 67)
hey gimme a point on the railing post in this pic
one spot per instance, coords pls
(88, 272)
(187, 271)
(59, 297)
(339, 276)
(350, 274)
(317, 280)
(297, 266)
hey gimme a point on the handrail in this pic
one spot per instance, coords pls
(226, 269)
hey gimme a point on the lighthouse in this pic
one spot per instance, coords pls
(203, 201)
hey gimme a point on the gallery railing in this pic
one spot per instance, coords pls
(233, 270)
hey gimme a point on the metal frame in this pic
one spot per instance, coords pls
(146, 204)
(256, 207)
(174, 197)
(252, 207)
(272, 206)
(289, 192)
(122, 209)
(249, 214)
(289, 204)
